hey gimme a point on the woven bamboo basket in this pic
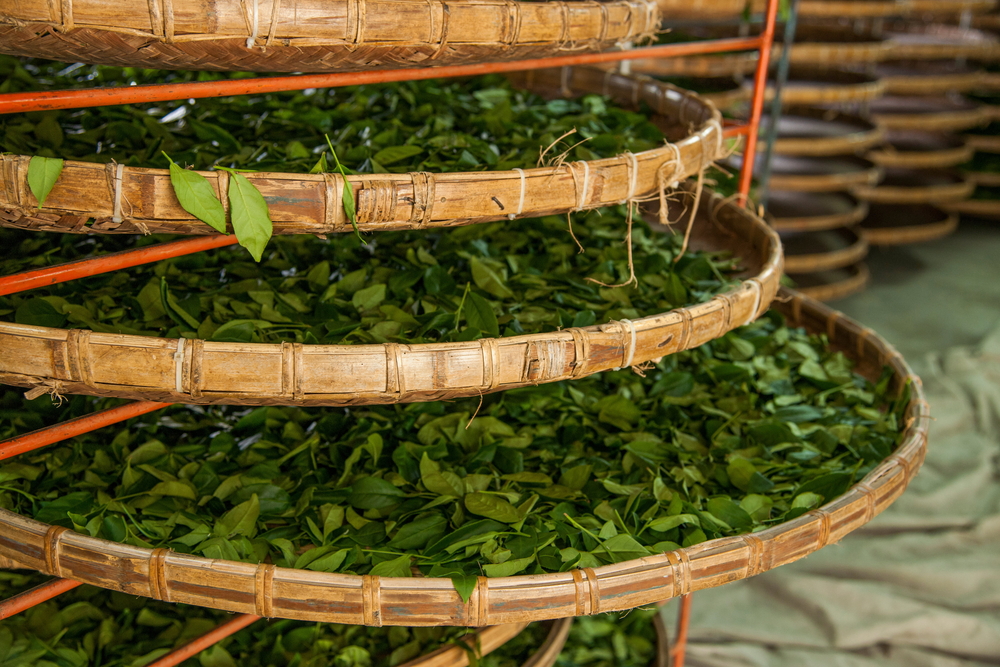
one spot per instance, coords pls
(308, 203)
(790, 211)
(932, 114)
(836, 53)
(808, 252)
(873, 9)
(834, 284)
(819, 132)
(315, 35)
(687, 10)
(203, 372)
(271, 591)
(988, 81)
(913, 149)
(989, 179)
(920, 41)
(810, 85)
(950, 7)
(976, 208)
(918, 186)
(894, 224)
(710, 66)
(487, 640)
(553, 645)
(828, 174)
(935, 77)
(984, 143)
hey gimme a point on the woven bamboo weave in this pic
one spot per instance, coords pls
(914, 186)
(315, 35)
(196, 371)
(833, 285)
(895, 224)
(854, 250)
(821, 135)
(984, 143)
(814, 86)
(820, 217)
(953, 151)
(272, 591)
(978, 208)
(873, 9)
(107, 199)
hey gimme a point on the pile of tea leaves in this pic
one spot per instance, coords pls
(460, 283)
(434, 125)
(91, 627)
(748, 431)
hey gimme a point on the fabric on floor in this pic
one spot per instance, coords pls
(917, 587)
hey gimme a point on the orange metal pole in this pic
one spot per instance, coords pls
(36, 595)
(95, 97)
(60, 273)
(206, 640)
(74, 427)
(679, 649)
(759, 89)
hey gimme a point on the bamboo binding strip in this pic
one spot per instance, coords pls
(88, 198)
(315, 35)
(272, 591)
(203, 372)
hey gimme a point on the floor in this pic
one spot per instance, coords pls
(931, 296)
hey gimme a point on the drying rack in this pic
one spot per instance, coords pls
(72, 99)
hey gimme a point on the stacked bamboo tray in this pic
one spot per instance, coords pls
(267, 36)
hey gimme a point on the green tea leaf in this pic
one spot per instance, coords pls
(509, 568)
(489, 280)
(465, 585)
(40, 313)
(491, 507)
(241, 520)
(394, 154)
(249, 214)
(43, 172)
(397, 567)
(479, 314)
(197, 197)
(371, 493)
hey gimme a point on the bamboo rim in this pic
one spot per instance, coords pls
(916, 51)
(839, 9)
(699, 9)
(488, 640)
(844, 144)
(858, 280)
(990, 179)
(125, 200)
(737, 64)
(204, 372)
(950, 6)
(316, 35)
(980, 208)
(913, 234)
(818, 223)
(916, 194)
(271, 591)
(832, 87)
(549, 651)
(988, 81)
(853, 253)
(932, 84)
(826, 182)
(837, 53)
(887, 156)
(984, 143)
(945, 121)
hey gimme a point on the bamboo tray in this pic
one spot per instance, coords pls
(808, 252)
(810, 85)
(840, 9)
(928, 41)
(895, 224)
(984, 143)
(686, 10)
(834, 284)
(928, 77)
(989, 179)
(914, 149)
(370, 600)
(553, 645)
(827, 174)
(918, 186)
(709, 66)
(311, 204)
(790, 211)
(834, 48)
(977, 208)
(818, 132)
(203, 372)
(315, 35)
(933, 114)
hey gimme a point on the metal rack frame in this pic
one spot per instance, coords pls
(72, 99)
